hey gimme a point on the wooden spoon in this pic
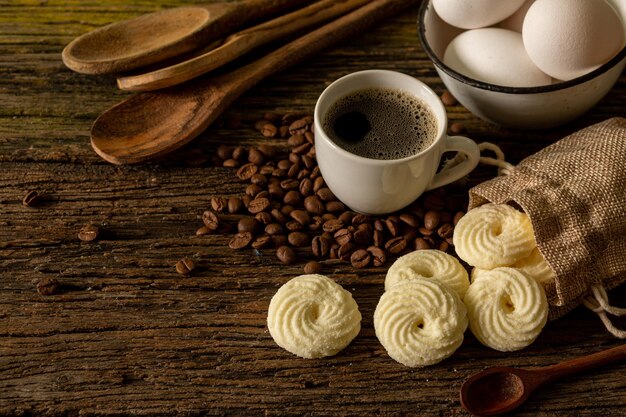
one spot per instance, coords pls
(238, 44)
(150, 125)
(154, 37)
(501, 389)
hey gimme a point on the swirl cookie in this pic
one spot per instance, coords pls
(429, 264)
(420, 322)
(493, 235)
(507, 310)
(312, 316)
(533, 266)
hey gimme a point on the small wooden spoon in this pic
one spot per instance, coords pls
(154, 37)
(150, 125)
(501, 389)
(238, 44)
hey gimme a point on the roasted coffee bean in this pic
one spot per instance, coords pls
(279, 240)
(279, 173)
(333, 252)
(445, 230)
(261, 242)
(335, 206)
(448, 99)
(450, 241)
(320, 246)
(393, 226)
(301, 217)
(235, 205)
(302, 149)
(295, 140)
(258, 179)
(309, 137)
(273, 181)
(210, 220)
(219, 204)
(231, 163)
(360, 219)
(185, 266)
(303, 174)
(432, 219)
(343, 236)
(273, 229)
(289, 118)
(292, 197)
(239, 153)
(287, 209)
(308, 162)
(309, 120)
(378, 238)
(268, 151)
(284, 164)
(286, 255)
(328, 216)
(258, 204)
(225, 152)
(312, 267)
(316, 223)
(457, 128)
(240, 240)
(379, 258)
(315, 173)
(202, 231)
(258, 125)
(345, 251)
(396, 245)
(457, 217)
(269, 130)
(328, 236)
(314, 205)
(409, 219)
(248, 224)
(431, 242)
(283, 131)
(346, 217)
(332, 225)
(89, 233)
(425, 232)
(263, 194)
(293, 170)
(306, 187)
(360, 258)
(289, 184)
(444, 246)
(253, 189)
(409, 233)
(255, 156)
(379, 225)
(294, 158)
(276, 191)
(299, 127)
(299, 239)
(246, 199)
(294, 226)
(325, 194)
(318, 184)
(362, 237)
(279, 216)
(247, 171)
(264, 217)
(48, 286)
(421, 244)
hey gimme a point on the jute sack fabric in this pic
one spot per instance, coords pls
(574, 192)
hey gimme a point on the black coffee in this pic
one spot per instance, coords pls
(381, 123)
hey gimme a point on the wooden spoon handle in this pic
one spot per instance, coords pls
(582, 364)
(244, 78)
(238, 44)
(250, 10)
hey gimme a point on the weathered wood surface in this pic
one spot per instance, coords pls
(127, 335)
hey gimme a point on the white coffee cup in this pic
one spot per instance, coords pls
(378, 186)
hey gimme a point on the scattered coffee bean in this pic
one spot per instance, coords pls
(396, 245)
(225, 152)
(255, 156)
(409, 219)
(457, 217)
(426, 232)
(258, 204)
(312, 267)
(301, 216)
(202, 231)
(185, 266)
(240, 240)
(279, 240)
(235, 205)
(360, 258)
(253, 189)
(335, 206)
(448, 99)
(264, 217)
(269, 130)
(239, 153)
(48, 286)
(432, 219)
(393, 225)
(245, 172)
(320, 246)
(325, 194)
(343, 236)
(273, 229)
(379, 258)
(88, 233)
(289, 184)
(298, 127)
(219, 204)
(258, 179)
(295, 141)
(31, 199)
(362, 236)
(421, 244)
(345, 251)
(332, 225)
(286, 255)
(444, 246)
(261, 242)
(299, 239)
(231, 163)
(445, 230)
(306, 187)
(294, 226)
(248, 224)
(318, 184)
(457, 128)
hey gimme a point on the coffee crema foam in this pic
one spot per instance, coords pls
(381, 123)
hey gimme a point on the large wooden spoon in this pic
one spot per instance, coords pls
(501, 389)
(154, 37)
(150, 125)
(238, 44)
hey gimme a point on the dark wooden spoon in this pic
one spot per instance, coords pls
(501, 389)
(150, 125)
(154, 37)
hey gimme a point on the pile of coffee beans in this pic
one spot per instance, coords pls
(287, 205)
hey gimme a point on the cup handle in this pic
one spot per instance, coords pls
(459, 144)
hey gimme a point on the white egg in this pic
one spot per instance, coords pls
(472, 14)
(569, 38)
(494, 55)
(516, 20)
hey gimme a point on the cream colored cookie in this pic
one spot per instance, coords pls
(312, 316)
(507, 310)
(420, 322)
(493, 235)
(533, 266)
(429, 264)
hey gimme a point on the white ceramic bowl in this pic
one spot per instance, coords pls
(519, 107)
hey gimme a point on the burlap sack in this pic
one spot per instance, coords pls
(574, 192)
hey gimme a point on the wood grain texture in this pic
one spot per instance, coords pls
(127, 335)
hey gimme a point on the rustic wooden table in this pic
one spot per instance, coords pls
(127, 334)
